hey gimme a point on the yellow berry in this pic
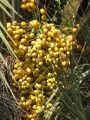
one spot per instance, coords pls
(23, 24)
(42, 11)
(74, 30)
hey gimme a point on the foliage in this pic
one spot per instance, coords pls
(38, 55)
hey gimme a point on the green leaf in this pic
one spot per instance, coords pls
(52, 109)
(7, 45)
(4, 9)
(3, 28)
(48, 101)
(7, 4)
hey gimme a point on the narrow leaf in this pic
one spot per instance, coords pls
(4, 9)
(6, 3)
(7, 45)
(3, 28)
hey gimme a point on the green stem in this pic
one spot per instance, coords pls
(3, 21)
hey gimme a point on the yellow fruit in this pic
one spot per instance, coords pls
(49, 84)
(13, 27)
(16, 77)
(15, 66)
(34, 107)
(54, 31)
(64, 64)
(30, 116)
(38, 111)
(14, 23)
(28, 85)
(9, 30)
(34, 24)
(19, 52)
(32, 97)
(29, 79)
(14, 71)
(79, 47)
(49, 75)
(43, 17)
(74, 30)
(28, 71)
(8, 25)
(27, 5)
(23, 40)
(21, 47)
(32, 5)
(28, 102)
(22, 99)
(18, 31)
(40, 63)
(56, 49)
(45, 30)
(42, 11)
(17, 27)
(23, 104)
(77, 25)
(36, 92)
(34, 54)
(40, 96)
(16, 37)
(23, 6)
(52, 25)
(68, 53)
(23, 24)
(22, 31)
(31, 35)
(39, 86)
(19, 71)
(26, 36)
(44, 26)
(49, 105)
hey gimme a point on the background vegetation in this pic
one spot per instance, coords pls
(63, 90)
